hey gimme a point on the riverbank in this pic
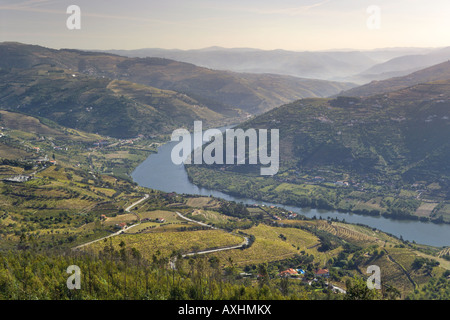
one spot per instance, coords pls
(315, 196)
(159, 173)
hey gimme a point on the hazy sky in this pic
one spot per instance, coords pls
(189, 24)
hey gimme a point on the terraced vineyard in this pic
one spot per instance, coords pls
(444, 252)
(391, 272)
(202, 202)
(211, 216)
(341, 230)
(276, 243)
(167, 242)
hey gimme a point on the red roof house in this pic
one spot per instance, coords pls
(288, 273)
(322, 273)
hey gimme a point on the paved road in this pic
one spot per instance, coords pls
(194, 221)
(118, 232)
(219, 249)
(137, 202)
(244, 243)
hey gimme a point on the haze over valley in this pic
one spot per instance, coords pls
(347, 101)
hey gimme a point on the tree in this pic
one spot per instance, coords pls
(391, 293)
(263, 274)
(358, 290)
(284, 285)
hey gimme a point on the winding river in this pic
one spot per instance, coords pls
(158, 172)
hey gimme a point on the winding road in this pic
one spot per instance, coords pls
(246, 242)
(118, 232)
(128, 209)
(173, 261)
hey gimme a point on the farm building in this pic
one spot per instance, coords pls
(322, 273)
(288, 273)
(121, 225)
(18, 178)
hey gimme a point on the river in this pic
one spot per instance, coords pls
(158, 172)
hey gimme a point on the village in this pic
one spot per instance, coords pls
(318, 279)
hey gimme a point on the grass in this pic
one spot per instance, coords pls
(6, 171)
(268, 246)
(56, 210)
(167, 242)
(141, 227)
(17, 121)
(391, 273)
(28, 127)
(202, 202)
(212, 216)
(426, 209)
(369, 205)
(297, 189)
(168, 216)
(359, 235)
(10, 153)
(126, 218)
(444, 212)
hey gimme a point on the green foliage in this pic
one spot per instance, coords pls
(435, 289)
(424, 263)
(123, 274)
(234, 209)
(357, 290)
(99, 105)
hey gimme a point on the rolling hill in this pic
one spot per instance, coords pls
(434, 73)
(384, 154)
(221, 91)
(406, 64)
(327, 65)
(402, 133)
(99, 105)
(315, 65)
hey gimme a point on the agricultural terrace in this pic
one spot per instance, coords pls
(166, 243)
(277, 243)
(202, 202)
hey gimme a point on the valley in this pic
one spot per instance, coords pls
(77, 126)
(381, 155)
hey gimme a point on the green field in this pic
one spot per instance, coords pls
(268, 246)
(171, 241)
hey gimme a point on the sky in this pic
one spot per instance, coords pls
(300, 25)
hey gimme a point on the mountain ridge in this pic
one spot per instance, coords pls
(250, 93)
(434, 73)
(324, 64)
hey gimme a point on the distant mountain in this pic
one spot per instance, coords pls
(437, 72)
(386, 54)
(327, 65)
(384, 155)
(99, 105)
(315, 65)
(406, 64)
(223, 92)
(398, 136)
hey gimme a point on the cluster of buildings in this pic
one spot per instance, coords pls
(295, 273)
(18, 178)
